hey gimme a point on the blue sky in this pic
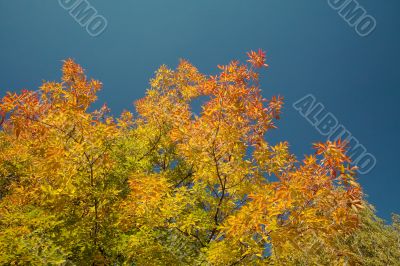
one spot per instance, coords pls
(310, 49)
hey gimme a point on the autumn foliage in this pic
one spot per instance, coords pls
(168, 186)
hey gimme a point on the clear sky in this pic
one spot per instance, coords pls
(310, 49)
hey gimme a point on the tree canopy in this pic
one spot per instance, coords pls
(168, 186)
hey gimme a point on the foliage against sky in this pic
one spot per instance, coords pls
(87, 188)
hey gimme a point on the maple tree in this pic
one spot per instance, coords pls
(169, 186)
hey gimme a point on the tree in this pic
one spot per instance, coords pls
(167, 186)
(56, 162)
